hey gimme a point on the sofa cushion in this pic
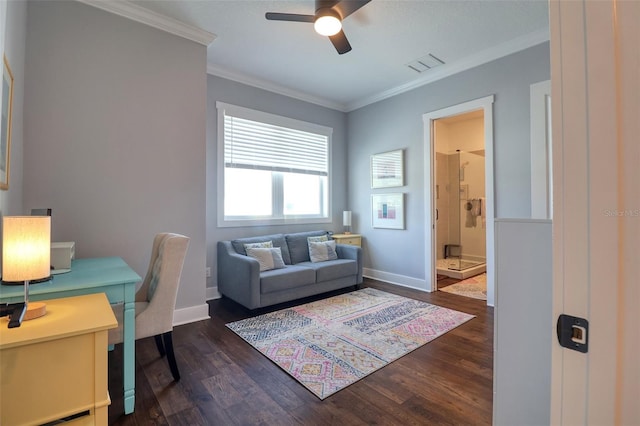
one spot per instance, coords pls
(322, 251)
(298, 245)
(289, 277)
(332, 269)
(277, 240)
(268, 258)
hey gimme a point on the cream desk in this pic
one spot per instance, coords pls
(109, 275)
(55, 366)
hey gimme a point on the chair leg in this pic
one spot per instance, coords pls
(159, 344)
(168, 344)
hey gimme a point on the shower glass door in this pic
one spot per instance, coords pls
(471, 225)
(453, 245)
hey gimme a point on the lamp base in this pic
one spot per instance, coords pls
(35, 310)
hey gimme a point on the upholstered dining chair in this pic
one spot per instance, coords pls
(156, 297)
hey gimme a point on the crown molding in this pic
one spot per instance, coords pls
(482, 57)
(443, 71)
(273, 87)
(145, 16)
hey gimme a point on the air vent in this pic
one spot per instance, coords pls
(425, 63)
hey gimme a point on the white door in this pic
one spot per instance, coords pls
(595, 69)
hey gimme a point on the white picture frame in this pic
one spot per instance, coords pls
(387, 169)
(387, 211)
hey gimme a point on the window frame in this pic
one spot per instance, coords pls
(277, 120)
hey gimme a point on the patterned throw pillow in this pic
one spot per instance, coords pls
(322, 251)
(263, 244)
(268, 258)
(317, 239)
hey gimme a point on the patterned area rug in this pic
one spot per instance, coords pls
(329, 344)
(475, 287)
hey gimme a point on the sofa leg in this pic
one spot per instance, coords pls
(168, 344)
(159, 345)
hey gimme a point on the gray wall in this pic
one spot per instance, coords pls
(14, 49)
(115, 135)
(397, 123)
(223, 90)
(523, 342)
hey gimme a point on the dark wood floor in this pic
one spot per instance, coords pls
(227, 382)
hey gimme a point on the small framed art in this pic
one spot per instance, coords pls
(387, 211)
(387, 169)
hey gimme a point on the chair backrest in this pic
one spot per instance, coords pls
(160, 285)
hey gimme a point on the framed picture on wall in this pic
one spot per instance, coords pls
(387, 169)
(5, 124)
(387, 211)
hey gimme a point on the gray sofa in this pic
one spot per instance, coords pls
(240, 278)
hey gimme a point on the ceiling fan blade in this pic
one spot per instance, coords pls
(289, 17)
(347, 7)
(340, 42)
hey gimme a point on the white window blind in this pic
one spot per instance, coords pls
(251, 144)
(271, 169)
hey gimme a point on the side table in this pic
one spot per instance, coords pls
(55, 366)
(350, 239)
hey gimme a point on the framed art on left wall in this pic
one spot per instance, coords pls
(5, 124)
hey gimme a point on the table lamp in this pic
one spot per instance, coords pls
(26, 254)
(346, 221)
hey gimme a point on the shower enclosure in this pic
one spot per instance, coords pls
(460, 205)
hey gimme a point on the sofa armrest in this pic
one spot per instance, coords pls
(345, 251)
(238, 276)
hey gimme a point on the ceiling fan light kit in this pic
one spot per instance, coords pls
(327, 20)
(328, 23)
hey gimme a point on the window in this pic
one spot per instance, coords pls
(271, 169)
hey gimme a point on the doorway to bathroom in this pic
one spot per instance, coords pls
(461, 247)
(459, 163)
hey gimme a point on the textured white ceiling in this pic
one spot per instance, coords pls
(385, 35)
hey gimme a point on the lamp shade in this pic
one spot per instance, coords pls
(26, 247)
(346, 218)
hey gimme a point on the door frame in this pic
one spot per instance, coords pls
(541, 148)
(428, 119)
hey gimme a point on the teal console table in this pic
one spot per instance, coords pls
(110, 275)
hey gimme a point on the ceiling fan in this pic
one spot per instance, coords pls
(327, 20)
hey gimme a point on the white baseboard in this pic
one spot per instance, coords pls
(397, 279)
(190, 314)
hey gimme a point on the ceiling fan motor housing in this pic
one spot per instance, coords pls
(324, 7)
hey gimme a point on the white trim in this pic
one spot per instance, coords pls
(443, 71)
(486, 104)
(173, 26)
(278, 120)
(219, 71)
(541, 163)
(153, 19)
(479, 58)
(397, 279)
(191, 314)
